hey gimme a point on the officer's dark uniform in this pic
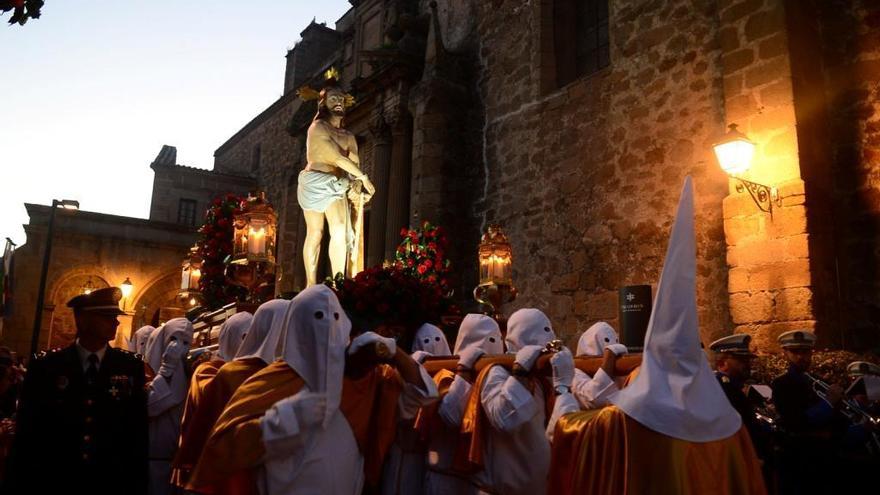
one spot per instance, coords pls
(81, 432)
(807, 461)
(738, 345)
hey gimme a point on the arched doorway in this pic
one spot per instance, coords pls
(158, 302)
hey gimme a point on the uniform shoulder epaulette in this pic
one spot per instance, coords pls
(47, 353)
(127, 353)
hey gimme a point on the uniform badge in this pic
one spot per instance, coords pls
(61, 382)
(120, 386)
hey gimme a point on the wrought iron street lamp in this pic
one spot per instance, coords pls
(88, 287)
(734, 153)
(67, 204)
(126, 287)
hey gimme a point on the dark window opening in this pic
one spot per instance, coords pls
(186, 212)
(581, 44)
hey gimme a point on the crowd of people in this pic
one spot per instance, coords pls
(294, 401)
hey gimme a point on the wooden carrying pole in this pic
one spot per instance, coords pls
(589, 365)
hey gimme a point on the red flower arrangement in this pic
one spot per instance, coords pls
(215, 246)
(405, 294)
(422, 255)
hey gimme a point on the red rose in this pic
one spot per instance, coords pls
(410, 262)
(404, 232)
(422, 269)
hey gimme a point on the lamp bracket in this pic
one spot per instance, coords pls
(763, 196)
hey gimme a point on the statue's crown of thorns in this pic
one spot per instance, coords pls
(331, 80)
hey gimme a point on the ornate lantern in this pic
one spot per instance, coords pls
(496, 272)
(254, 238)
(252, 263)
(191, 273)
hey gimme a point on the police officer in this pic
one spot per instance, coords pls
(733, 367)
(82, 415)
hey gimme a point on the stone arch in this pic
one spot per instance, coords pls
(61, 325)
(157, 298)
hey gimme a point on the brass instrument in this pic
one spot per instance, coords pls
(764, 411)
(854, 412)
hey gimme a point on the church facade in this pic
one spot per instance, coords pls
(573, 125)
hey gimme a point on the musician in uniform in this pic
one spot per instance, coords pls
(864, 386)
(82, 416)
(811, 423)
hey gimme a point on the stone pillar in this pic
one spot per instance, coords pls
(770, 283)
(379, 203)
(398, 182)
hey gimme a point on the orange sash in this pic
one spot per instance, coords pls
(426, 419)
(205, 403)
(237, 431)
(369, 403)
(606, 452)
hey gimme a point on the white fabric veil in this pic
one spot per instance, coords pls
(265, 332)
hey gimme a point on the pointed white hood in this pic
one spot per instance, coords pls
(232, 332)
(593, 342)
(430, 339)
(528, 326)
(481, 332)
(264, 335)
(181, 330)
(675, 392)
(139, 342)
(317, 334)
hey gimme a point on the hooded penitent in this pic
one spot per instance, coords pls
(676, 393)
(264, 334)
(181, 330)
(593, 342)
(232, 332)
(528, 326)
(139, 342)
(316, 336)
(479, 331)
(430, 339)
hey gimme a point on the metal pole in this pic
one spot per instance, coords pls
(38, 312)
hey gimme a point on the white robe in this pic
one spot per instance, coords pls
(594, 393)
(441, 452)
(164, 411)
(323, 461)
(517, 449)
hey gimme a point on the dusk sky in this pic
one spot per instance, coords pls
(92, 90)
